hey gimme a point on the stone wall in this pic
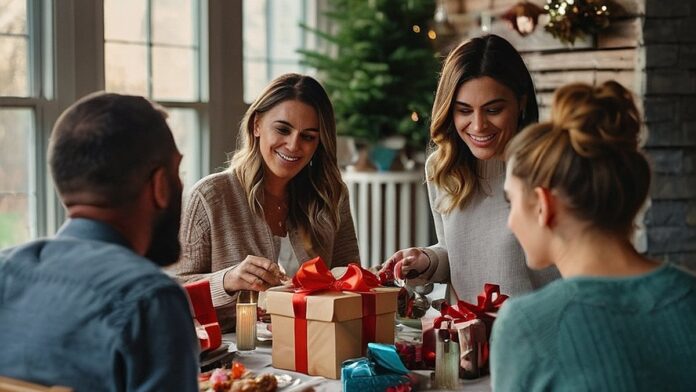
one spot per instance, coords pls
(650, 47)
(668, 64)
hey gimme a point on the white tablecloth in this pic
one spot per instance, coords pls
(259, 361)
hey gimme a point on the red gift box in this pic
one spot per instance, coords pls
(207, 326)
(488, 303)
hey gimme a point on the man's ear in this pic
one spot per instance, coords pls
(545, 206)
(161, 188)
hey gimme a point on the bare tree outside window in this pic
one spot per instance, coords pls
(16, 126)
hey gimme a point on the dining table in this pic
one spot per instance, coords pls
(259, 361)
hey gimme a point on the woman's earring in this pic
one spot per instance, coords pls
(311, 162)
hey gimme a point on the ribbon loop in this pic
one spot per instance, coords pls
(315, 276)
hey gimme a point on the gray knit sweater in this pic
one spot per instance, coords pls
(219, 230)
(475, 245)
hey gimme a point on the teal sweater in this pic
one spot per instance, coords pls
(599, 334)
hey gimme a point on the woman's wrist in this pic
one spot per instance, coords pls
(430, 261)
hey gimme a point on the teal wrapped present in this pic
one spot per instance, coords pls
(381, 370)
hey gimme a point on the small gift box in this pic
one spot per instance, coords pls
(322, 321)
(472, 325)
(382, 370)
(205, 319)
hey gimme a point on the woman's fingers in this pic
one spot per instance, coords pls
(265, 271)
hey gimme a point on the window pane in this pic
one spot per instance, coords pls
(184, 125)
(173, 22)
(255, 79)
(286, 33)
(13, 16)
(125, 20)
(272, 36)
(126, 68)
(14, 71)
(254, 28)
(278, 69)
(16, 130)
(173, 74)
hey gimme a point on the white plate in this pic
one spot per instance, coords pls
(262, 332)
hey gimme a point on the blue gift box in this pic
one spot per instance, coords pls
(381, 369)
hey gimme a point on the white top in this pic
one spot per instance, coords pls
(286, 256)
(475, 245)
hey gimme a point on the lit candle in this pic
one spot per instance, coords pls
(246, 326)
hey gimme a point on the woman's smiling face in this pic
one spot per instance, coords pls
(486, 116)
(288, 137)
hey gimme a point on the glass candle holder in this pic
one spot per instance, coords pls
(446, 361)
(246, 326)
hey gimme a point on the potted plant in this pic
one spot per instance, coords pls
(380, 70)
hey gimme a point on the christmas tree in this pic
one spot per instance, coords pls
(381, 74)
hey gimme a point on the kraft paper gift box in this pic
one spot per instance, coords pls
(336, 327)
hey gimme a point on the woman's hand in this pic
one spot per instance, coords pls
(407, 263)
(254, 273)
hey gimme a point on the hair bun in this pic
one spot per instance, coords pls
(599, 120)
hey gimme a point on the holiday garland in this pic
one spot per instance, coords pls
(572, 19)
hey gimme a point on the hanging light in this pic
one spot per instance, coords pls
(441, 24)
(523, 17)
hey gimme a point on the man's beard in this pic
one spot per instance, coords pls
(165, 247)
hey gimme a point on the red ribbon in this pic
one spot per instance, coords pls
(486, 303)
(313, 276)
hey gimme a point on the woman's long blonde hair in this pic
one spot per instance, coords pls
(317, 192)
(589, 153)
(452, 166)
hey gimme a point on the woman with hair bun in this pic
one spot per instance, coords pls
(617, 321)
(484, 97)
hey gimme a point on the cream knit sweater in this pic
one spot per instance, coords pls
(219, 230)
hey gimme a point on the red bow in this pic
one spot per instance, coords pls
(449, 312)
(485, 301)
(314, 276)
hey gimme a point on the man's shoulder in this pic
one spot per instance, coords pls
(98, 267)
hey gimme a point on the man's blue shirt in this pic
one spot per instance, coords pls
(83, 310)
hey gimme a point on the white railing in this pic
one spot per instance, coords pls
(390, 211)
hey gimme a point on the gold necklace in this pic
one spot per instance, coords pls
(276, 212)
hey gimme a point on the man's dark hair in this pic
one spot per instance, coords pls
(105, 146)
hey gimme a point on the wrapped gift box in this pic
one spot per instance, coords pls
(335, 327)
(205, 318)
(382, 370)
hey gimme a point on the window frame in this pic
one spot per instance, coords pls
(41, 199)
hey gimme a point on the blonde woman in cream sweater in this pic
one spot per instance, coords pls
(280, 203)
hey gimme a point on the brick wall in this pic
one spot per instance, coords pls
(668, 66)
(650, 48)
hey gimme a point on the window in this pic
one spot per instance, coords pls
(54, 52)
(272, 36)
(153, 48)
(19, 104)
